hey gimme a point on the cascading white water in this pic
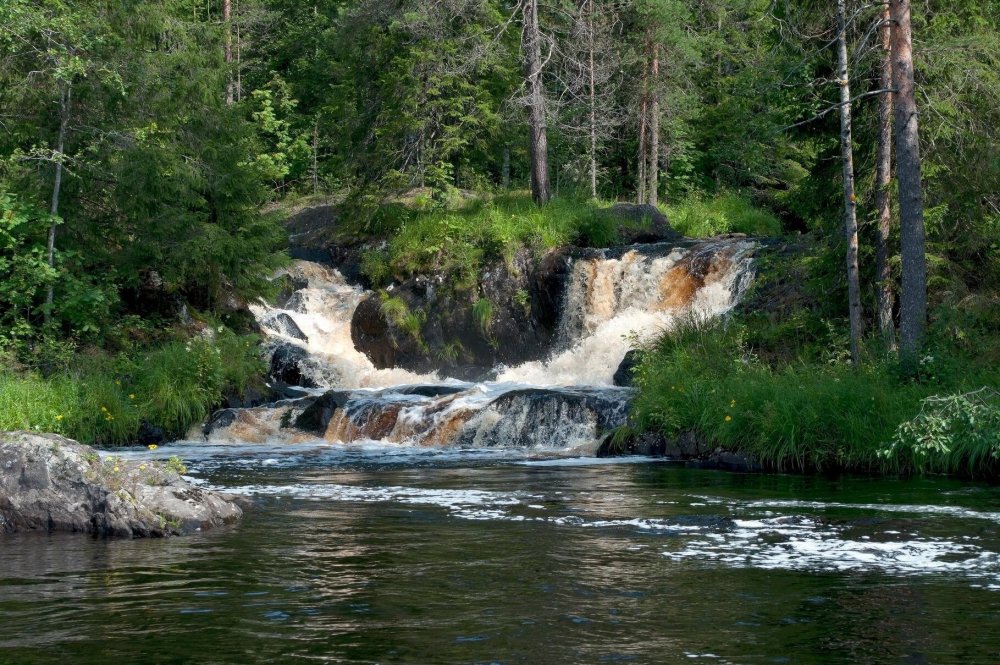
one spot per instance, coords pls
(322, 311)
(616, 304)
(613, 303)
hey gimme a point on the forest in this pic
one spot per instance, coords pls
(151, 151)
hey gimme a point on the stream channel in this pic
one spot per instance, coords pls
(471, 523)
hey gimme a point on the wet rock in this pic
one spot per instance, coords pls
(623, 375)
(50, 483)
(221, 419)
(640, 223)
(286, 366)
(451, 338)
(316, 417)
(284, 324)
(252, 396)
(430, 390)
(730, 461)
(283, 391)
(560, 418)
(150, 434)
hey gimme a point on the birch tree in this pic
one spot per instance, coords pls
(850, 199)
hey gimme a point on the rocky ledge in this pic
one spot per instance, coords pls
(50, 483)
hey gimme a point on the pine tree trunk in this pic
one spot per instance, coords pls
(64, 102)
(315, 156)
(883, 211)
(913, 296)
(227, 15)
(640, 188)
(653, 170)
(850, 200)
(593, 104)
(532, 46)
(505, 169)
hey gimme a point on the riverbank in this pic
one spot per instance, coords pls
(144, 395)
(775, 383)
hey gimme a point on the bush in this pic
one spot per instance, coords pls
(813, 415)
(697, 217)
(105, 399)
(952, 433)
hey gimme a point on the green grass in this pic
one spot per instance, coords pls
(699, 217)
(806, 414)
(456, 243)
(104, 399)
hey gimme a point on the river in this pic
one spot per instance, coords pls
(388, 554)
(455, 522)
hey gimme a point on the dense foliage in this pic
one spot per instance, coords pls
(140, 141)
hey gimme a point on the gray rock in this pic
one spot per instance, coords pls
(50, 483)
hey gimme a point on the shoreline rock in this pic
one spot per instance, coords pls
(50, 483)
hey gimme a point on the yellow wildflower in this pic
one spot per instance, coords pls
(59, 417)
(131, 395)
(152, 446)
(728, 418)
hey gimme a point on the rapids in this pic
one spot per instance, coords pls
(614, 301)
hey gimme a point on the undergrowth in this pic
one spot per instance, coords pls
(699, 217)
(811, 410)
(104, 399)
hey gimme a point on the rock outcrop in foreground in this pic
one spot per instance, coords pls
(50, 483)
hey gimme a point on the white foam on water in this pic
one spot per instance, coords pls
(324, 310)
(613, 305)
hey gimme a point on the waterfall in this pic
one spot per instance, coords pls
(616, 304)
(321, 311)
(613, 301)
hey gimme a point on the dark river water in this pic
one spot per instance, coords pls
(391, 555)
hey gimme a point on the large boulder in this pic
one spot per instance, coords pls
(625, 374)
(517, 325)
(50, 483)
(287, 366)
(640, 223)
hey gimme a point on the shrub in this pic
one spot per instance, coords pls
(697, 217)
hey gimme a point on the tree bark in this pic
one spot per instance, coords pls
(315, 157)
(65, 96)
(227, 16)
(913, 296)
(850, 199)
(593, 102)
(883, 177)
(531, 43)
(640, 189)
(505, 168)
(653, 170)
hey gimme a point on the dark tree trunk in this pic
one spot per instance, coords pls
(883, 211)
(850, 199)
(593, 103)
(227, 16)
(505, 169)
(640, 187)
(913, 296)
(531, 43)
(653, 170)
